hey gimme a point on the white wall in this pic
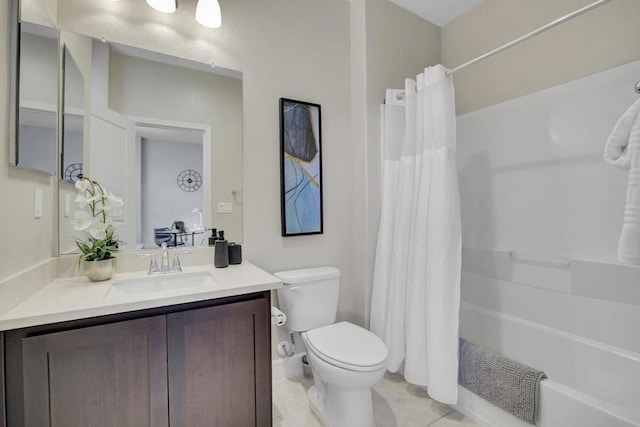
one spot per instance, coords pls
(39, 12)
(389, 44)
(163, 202)
(28, 240)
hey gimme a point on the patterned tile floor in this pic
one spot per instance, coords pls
(396, 403)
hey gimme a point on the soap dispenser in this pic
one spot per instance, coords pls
(221, 255)
(213, 237)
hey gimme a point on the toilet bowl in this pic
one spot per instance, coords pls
(346, 360)
(344, 375)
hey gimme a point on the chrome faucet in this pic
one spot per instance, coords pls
(153, 265)
(164, 265)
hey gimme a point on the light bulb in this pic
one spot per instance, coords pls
(164, 6)
(208, 13)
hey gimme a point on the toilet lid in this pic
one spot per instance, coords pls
(347, 345)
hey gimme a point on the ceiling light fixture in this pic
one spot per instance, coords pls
(164, 6)
(208, 13)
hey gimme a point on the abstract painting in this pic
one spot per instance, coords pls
(301, 167)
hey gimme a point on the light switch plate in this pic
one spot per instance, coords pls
(225, 207)
(37, 203)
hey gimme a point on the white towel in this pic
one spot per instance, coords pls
(623, 150)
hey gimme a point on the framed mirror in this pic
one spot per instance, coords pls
(34, 87)
(163, 133)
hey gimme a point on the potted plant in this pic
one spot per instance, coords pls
(96, 206)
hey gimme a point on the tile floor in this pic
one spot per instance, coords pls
(396, 403)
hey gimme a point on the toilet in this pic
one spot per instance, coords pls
(346, 360)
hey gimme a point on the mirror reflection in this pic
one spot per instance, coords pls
(37, 91)
(72, 119)
(163, 133)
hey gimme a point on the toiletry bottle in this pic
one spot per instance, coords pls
(213, 237)
(235, 253)
(221, 256)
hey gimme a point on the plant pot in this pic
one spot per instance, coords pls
(97, 271)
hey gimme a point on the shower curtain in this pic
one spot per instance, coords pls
(416, 286)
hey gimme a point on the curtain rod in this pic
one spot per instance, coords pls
(533, 33)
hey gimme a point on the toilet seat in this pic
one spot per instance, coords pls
(347, 346)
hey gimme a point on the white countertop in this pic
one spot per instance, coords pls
(77, 298)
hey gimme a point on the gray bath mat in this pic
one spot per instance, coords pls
(506, 383)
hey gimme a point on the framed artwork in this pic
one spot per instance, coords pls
(300, 167)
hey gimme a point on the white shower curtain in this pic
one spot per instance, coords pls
(416, 287)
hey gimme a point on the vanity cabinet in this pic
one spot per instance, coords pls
(108, 375)
(197, 364)
(219, 366)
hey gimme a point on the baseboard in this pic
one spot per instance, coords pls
(287, 367)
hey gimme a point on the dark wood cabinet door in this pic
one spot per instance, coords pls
(220, 366)
(111, 375)
(3, 413)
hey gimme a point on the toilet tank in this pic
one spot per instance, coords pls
(309, 297)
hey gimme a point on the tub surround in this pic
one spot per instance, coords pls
(580, 277)
(542, 214)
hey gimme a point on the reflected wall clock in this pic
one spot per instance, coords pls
(73, 173)
(189, 180)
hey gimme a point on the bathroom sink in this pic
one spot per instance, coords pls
(163, 283)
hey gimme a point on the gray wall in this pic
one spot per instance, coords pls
(163, 202)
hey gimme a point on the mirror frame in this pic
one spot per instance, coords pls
(62, 72)
(14, 80)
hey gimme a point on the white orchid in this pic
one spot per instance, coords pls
(96, 207)
(82, 200)
(111, 204)
(115, 200)
(82, 220)
(83, 184)
(99, 230)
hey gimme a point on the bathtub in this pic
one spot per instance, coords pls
(587, 346)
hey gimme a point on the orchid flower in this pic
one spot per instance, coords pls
(96, 206)
(81, 220)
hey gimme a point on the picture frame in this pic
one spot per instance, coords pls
(301, 168)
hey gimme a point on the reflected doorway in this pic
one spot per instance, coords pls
(171, 185)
